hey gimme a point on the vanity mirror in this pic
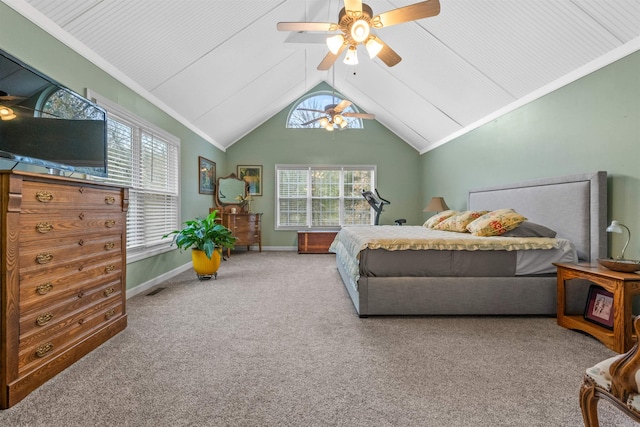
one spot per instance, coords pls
(236, 214)
(228, 189)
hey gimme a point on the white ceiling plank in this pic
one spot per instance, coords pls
(212, 62)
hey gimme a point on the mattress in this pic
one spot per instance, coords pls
(392, 251)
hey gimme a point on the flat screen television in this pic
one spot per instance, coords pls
(43, 123)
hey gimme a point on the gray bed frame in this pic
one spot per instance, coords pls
(575, 206)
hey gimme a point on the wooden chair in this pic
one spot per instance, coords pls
(615, 380)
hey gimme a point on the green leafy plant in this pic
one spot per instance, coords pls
(204, 234)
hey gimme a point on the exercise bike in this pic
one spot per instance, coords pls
(377, 203)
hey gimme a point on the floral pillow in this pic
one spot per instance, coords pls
(459, 222)
(495, 223)
(439, 217)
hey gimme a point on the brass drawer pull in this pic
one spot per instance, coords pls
(108, 291)
(44, 258)
(109, 268)
(109, 245)
(109, 223)
(44, 196)
(42, 350)
(109, 314)
(43, 319)
(109, 200)
(44, 227)
(44, 288)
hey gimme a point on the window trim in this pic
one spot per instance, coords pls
(115, 109)
(318, 93)
(309, 198)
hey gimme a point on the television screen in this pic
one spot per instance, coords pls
(46, 124)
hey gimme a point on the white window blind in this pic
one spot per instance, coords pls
(323, 196)
(145, 159)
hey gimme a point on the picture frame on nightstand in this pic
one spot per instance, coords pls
(599, 308)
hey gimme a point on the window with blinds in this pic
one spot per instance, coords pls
(144, 158)
(323, 196)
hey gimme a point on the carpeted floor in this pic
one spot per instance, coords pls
(275, 341)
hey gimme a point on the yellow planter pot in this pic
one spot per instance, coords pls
(204, 267)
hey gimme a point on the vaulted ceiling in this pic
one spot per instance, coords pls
(223, 69)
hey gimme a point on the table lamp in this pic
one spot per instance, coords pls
(436, 204)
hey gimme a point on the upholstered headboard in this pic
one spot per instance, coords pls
(574, 206)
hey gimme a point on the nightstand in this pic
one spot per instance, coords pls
(623, 286)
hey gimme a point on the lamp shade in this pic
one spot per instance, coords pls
(436, 204)
(352, 56)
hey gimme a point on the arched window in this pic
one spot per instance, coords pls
(309, 110)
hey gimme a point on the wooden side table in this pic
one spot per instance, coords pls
(623, 286)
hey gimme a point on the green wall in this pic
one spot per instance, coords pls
(27, 42)
(589, 125)
(270, 144)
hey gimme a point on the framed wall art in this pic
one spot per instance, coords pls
(206, 176)
(599, 308)
(252, 175)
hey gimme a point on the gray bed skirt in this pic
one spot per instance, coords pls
(480, 296)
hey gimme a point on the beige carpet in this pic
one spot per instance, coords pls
(275, 341)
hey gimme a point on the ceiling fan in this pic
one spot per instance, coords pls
(356, 20)
(334, 117)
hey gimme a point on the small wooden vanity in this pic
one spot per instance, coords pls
(245, 226)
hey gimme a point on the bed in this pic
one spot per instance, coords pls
(383, 281)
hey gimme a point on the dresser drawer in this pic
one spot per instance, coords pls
(47, 197)
(72, 252)
(69, 223)
(37, 290)
(53, 310)
(38, 348)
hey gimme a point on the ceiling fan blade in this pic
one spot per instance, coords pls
(341, 106)
(309, 109)
(353, 6)
(329, 59)
(360, 115)
(310, 121)
(388, 55)
(307, 26)
(412, 12)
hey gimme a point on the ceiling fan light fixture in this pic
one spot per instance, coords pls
(335, 42)
(338, 119)
(329, 127)
(360, 30)
(343, 124)
(324, 122)
(352, 56)
(373, 47)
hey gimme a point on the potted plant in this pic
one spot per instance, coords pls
(206, 238)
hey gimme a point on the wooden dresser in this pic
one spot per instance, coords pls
(246, 227)
(62, 278)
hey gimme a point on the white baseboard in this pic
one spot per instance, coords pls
(142, 287)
